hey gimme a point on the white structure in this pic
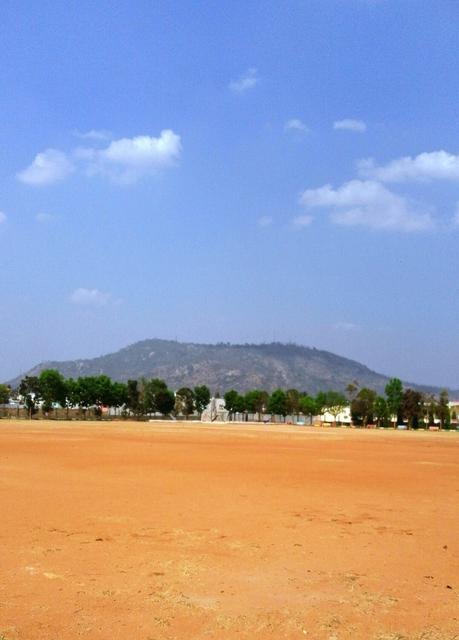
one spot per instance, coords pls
(344, 417)
(454, 410)
(215, 411)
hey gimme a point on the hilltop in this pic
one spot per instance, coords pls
(224, 366)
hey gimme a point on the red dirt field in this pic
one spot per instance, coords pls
(174, 531)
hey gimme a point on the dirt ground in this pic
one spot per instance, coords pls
(176, 531)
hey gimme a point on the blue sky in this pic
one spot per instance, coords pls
(238, 172)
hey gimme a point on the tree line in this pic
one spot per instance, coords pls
(141, 398)
(89, 394)
(397, 406)
(284, 403)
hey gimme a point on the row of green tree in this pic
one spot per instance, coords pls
(396, 406)
(146, 397)
(399, 405)
(91, 393)
(284, 403)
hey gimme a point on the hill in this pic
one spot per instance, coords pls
(224, 366)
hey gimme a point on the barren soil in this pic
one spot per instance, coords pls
(174, 531)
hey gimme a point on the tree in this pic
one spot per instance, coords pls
(184, 402)
(381, 412)
(156, 397)
(430, 409)
(412, 407)
(29, 389)
(443, 412)
(394, 395)
(119, 393)
(94, 391)
(103, 388)
(133, 397)
(308, 406)
(321, 401)
(148, 393)
(256, 401)
(165, 401)
(5, 394)
(201, 397)
(277, 403)
(52, 389)
(332, 401)
(352, 389)
(87, 392)
(72, 394)
(234, 402)
(292, 401)
(363, 405)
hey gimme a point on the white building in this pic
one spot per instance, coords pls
(343, 417)
(215, 411)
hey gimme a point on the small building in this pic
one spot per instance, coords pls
(343, 417)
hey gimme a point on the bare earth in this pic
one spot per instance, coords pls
(176, 531)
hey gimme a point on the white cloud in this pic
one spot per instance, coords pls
(246, 81)
(265, 221)
(302, 221)
(90, 297)
(2, 217)
(124, 160)
(94, 134)
(369, 204)
(350, 125)
(47, 167)
(128, 159)
(44, 218)
(295, 124)
(434, 165)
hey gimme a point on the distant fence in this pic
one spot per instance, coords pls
(21, 413)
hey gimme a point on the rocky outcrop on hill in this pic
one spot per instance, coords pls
(224, 366)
